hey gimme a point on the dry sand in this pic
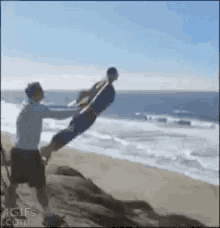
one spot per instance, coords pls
(122, 193)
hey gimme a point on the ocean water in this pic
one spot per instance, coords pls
(168, 130)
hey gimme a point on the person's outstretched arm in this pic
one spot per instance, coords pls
(47, 112)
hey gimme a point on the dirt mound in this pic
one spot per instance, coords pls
(84, 204)
(82, 200)
(63, 170)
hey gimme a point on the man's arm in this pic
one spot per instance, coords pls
(47, 112)
(83, 94)
(89, 94)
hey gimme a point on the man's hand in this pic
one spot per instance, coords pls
(84, 93)
(45, 153)
(99, 86)
(84, 102)
(85, 96)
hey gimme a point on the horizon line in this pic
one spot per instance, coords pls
(121, 91)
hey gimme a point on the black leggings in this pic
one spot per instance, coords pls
(76, 127)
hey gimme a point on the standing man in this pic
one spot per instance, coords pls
(82, 122)
(26, 163)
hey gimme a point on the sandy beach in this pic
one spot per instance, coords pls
(122, 193)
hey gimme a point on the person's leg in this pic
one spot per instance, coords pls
(37, 179)
(63, 138)
(58, 141)
(11, 197)
(50, 219)
(42, 197)
(77, 126)
(17, 177)
(9, 213)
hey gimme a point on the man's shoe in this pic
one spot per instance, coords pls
(53, 220)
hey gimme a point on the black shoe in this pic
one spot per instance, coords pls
(53, 220)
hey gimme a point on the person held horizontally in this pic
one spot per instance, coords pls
(81, 123)
(26, 163)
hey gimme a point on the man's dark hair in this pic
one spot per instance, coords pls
(31, 88)
(112, 71)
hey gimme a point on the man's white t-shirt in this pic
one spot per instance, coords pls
(29, 123)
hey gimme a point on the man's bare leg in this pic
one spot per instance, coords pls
(49, 216)
(42, 197)
(10, 198)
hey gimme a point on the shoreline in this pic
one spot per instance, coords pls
(166, 191)
(68, 148)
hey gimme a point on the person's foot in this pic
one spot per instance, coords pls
(53, 220)
(45, 153)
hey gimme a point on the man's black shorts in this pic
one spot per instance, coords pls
(27, 167)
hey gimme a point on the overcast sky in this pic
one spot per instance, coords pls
(70, 45)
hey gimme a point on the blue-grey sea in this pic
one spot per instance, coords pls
(177, 131)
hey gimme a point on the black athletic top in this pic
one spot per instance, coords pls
(103, 101)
